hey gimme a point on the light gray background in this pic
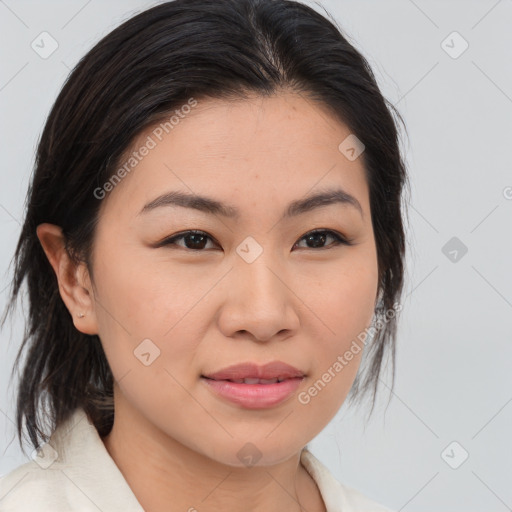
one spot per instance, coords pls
(454, 350)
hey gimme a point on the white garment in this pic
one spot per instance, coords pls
(75, 473)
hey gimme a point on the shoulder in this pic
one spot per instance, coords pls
(30, 487)
(338, 497)
(358, 502)
(42, 484)
(71, 472)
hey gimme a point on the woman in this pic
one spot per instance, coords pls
(213, 248)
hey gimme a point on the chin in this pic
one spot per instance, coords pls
(257, 453)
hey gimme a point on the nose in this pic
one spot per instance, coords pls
(259, 303)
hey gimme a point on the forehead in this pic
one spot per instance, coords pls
(262, 149)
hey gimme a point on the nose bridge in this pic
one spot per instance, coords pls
(255, 273)
(258, 301)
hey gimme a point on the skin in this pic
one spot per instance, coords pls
(173, 440)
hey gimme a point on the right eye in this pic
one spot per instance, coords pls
(194, 240)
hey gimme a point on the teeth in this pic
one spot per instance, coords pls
(251, 381)
(268, 381)
(257, 381)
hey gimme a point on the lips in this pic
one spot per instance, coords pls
(251, 373)
(256, 381)
(251, 386)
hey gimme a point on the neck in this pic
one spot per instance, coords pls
(162, 471)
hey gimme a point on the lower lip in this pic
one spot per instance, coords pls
(254, 396)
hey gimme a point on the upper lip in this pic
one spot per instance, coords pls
(271, 370)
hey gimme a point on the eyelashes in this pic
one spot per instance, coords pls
(195, 240)
(338, 237)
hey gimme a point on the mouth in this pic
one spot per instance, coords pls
(250, 386)
(252, 373)
(250, 380)
(254, 393)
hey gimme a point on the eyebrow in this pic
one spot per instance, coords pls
(215, 207)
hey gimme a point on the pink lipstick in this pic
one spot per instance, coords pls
(255, 387)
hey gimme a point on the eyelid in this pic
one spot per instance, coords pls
(342, 239)
(168, 240)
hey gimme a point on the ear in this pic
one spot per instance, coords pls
(74, 282)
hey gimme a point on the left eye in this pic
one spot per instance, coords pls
(319, 236)
(196, 240)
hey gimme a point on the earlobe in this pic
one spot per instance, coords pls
(74, 287)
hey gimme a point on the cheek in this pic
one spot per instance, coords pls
(142, 296)
(345, 304)
(343, 296)
(352, 308)
(146, 314)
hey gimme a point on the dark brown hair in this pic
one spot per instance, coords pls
(133, 78)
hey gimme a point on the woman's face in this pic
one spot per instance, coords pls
(257, 287)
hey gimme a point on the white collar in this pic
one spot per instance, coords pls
(81, 469)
